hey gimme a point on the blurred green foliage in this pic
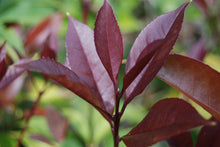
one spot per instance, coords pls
(86, 125)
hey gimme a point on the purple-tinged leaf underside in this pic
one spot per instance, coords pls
(158, 37)
(86, 64)
(167, 118)
(3, 64)
(108, 40)
(209, 136)
(182, 140)
(195, 79)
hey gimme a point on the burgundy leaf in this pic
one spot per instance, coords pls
(158, 39)
(202, 5)
(36, 37)
(86, 4)
(198, 51)
(167, 118)
(57, 123)
(145, 57)
(50, 47)
(41, 138)
(3, 64)
(13, 72)
(182, 140)
(195, 79)
(108, 40)
(86, 64)
(209, 136)
(8, 93)
(65, 77)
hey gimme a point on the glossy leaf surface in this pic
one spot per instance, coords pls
(167, 118)
(108, 40)
(164, 30)
(209, 136)
(86, 64)
(195, 79)
(182, 140)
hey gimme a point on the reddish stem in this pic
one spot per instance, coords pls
(33, 108)
(116, 120)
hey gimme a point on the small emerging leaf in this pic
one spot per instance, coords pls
(195, 79)
(167, 118)
(108, 40)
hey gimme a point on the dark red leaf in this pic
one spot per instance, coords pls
(8, 93)
(182, 140)
(41, 138)
(108, 40)
(202, 5)
(13, 72)
(36, 37)
(86, 64)
(209, 136)
(198, 51)
(65, 77)
(3, 64)
(195, 79)
(68, 79)
(167, 118)
(86, 4)
(57, 123)
(158, 39)
(50, 47)
(145, 58)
